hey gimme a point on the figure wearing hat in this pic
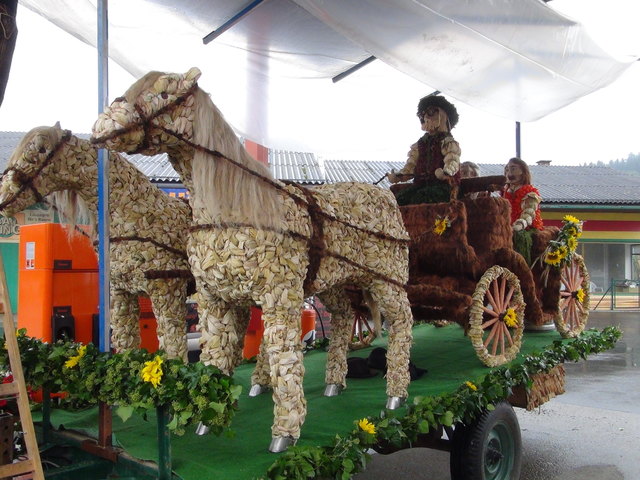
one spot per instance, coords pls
(434, 160)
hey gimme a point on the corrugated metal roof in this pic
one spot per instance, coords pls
(301, 167)
(359, 171)
(574, 184)
(556, 183)
(157, 167)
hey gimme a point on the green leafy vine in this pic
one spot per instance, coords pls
(347, 455)
(193, 392)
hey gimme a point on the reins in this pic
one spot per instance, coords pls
(316, 242)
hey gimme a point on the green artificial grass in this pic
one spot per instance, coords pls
(445, 352)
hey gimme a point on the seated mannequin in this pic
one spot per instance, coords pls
(525, 205)
(434, 160)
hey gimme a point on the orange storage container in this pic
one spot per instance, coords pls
(148, 326)
(57, 283)
(255, 330)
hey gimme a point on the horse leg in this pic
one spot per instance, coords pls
(261, 376)
(394, 306)
(169, 303)
(219, 341)
(125, 316)
(284, 351)
(342, 316)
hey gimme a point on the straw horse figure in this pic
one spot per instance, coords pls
(148, 228)
(258, 241)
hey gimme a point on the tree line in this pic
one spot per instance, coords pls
(630, 164)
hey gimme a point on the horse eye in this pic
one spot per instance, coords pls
(42, 150)
(164, 95)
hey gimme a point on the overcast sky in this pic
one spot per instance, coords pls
(54, 77)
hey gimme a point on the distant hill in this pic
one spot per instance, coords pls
(631, 164)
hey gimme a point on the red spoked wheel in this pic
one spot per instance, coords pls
(573, 307)
(363, 331)
(496, 317)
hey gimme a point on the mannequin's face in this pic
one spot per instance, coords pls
(434, 120)
(514, 174)
(467, 171)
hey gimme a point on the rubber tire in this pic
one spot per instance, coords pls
(469, 450)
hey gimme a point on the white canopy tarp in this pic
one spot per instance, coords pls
(270, 73)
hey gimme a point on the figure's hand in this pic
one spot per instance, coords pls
(440, 174)
(450, 168)
(519, 225)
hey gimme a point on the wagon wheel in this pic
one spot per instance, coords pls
(363, 332)
(490, 448)
(573, 307)
(496, 317)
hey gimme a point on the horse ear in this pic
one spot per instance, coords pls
(192, 75)
(57, 125)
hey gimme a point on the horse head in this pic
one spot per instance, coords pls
(144, 120)
(21, 185)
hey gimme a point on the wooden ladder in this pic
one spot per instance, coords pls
(18, 390)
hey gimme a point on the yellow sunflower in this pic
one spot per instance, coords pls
(441, 225)
(73, 361)
(571, 219)
(554, 257)
(510, 318)
(471, 386)
(572, 243)
(152, 371)
(580, 295)
(366, 426)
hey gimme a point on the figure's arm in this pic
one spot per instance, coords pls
(451, 152)
(530, 204)
(409, 167)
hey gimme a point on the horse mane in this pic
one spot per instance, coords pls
(73, 210)
(228, 192)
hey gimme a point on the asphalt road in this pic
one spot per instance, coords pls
(591, 432)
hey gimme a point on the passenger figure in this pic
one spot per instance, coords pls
(471, 170)
(525, 205)
(434, 160)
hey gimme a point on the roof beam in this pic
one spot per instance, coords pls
(231, 22)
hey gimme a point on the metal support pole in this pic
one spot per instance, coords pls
(353, 69)
(103, 179)
(105, 425)
(46, 416)
(231, 22)
(164, 443)
(518, 150)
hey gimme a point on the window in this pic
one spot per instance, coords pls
(635, 262)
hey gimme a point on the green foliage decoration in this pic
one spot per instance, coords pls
(394, 431)
(193, 392)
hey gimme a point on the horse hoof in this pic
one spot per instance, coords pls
(395, 402)
(332, 390)
(258, 389)
(202, 429)
(280, 444)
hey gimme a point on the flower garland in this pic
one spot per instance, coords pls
(560, 251)
(347, 455)
(135, 380)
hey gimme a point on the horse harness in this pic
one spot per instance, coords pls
(26, 180)
(316, 243)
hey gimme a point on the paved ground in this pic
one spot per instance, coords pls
(591, 432)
